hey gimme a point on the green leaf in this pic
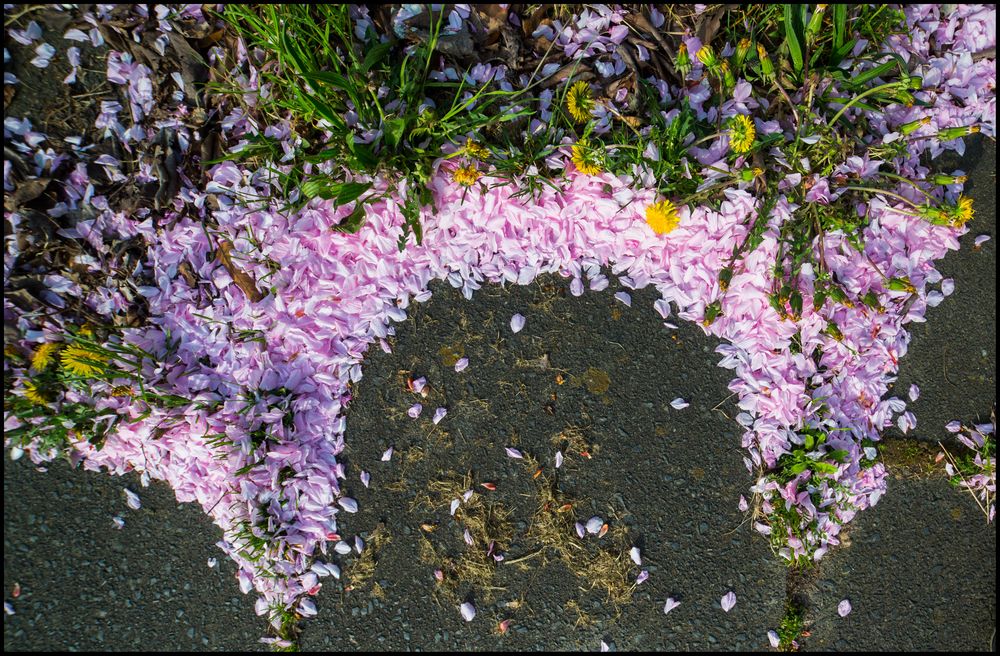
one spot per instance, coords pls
(375, 56)
(353, 221)
(795, 36)
(824, 468)
(810, 442)
(869, 75)
(840, 455)
(839, 27)
(350, 191)
(393, 129)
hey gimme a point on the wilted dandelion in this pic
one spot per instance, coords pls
(963, 211)
(580, 101)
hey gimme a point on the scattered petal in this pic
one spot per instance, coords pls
(468, 611)
(455, 503)
(365, 478)
(772, 637)
(503, 626)
(635, 556)
(953, 426)
(119, 521)
(728, 601)
(643, 575)
(439, 414)
(679, 404)
(743, 505)
(8, 608)
(844, 608)
(387, 454)
(594, 525)
(559, 459)
(914, 392)
(212, 562)
(342, 548)
(461, 364)
(468, 537)
(415, 410)
(670, 605)
(516, 323)
(580, 530)
(348, 504)
(624, 297)
(132, 499)
(513, 453)
(604, 646)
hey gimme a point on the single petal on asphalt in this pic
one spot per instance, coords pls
(516, 323)
(559, 459)
(7, 608)
(635, 556)
(743, 504)
(359, 544)
(439, 575)
(604, 646)
(415, 410)
(342, 548)
(387, 454)
(914, 392)
(455, 503)
(348, 504)
(594, 525)
(307, 607)
(468, 537)
(844, 608)
(728, 601)
(467, 495)
(212, 562)
(953, 426)
(365, 478)
(624, 298)
(643, 575)
(119, 522)
(468, 611)
(679, 404)
(580, 530)
(461, 364)
(981, 239)
(670, 605)
(772, 637)
(439, 415)
(513, 453)
(132, 499)
(418, 384)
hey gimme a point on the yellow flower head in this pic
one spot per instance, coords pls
(963, 211)
(466, 175)
(707, 56)
(33, 394)
(662, 217)
(81, 361)
(585, 159)
(44, 355)
(741, 134)
(476, 150)
(580, 101)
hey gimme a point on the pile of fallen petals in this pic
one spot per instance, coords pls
(335, 294)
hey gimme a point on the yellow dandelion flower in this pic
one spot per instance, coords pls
(963, 211)
(44, 355)
(476, 150)
(580, 101)
(465, 175)
(707, 56)
(662, 217)
(741, 134)
(585, 159)
(87, 330)
(81, 361)
(33, 394)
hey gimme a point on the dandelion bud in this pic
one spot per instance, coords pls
(812, 29)
(725, 277)
(711, 313)
(683, 62)
(901, 285)
(941, 179)
(728, 79)
(766, 66)
(947, 134)
(913, 126)
(707, 57)
(742, 50)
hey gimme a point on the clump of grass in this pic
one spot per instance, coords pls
(363, 568)
(791, 627)
(571, 442)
